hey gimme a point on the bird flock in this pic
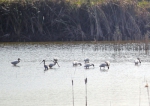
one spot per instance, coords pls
(76, 63)
(55, 61)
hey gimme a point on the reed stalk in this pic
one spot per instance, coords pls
(64, 20)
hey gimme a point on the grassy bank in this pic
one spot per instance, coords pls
(73, 20)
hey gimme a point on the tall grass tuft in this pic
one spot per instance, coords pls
(77, 20)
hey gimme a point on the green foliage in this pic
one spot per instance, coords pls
(62, 20)
(144, 4)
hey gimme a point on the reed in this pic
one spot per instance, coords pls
(73, 20)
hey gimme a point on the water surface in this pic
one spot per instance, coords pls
(27, 84)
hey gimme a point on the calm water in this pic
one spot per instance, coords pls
(27, 84)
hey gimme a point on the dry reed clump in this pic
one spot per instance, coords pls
(59, 20)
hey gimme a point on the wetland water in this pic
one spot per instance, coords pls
(27, 84)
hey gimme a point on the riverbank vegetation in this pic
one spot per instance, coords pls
(74, 20)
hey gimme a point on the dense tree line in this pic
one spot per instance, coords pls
(46, 20)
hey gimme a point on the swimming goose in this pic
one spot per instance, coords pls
(53, 64)
(107, 63)
(137, 61)
(75, 63)
(15, 62)
(88, 65)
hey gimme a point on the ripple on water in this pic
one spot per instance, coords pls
(29, 84)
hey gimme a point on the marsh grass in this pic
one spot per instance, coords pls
(72, 20)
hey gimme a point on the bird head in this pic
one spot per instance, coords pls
(139, 60)
(55, 60)
(108, 63)
(43, 61)
(86, 60)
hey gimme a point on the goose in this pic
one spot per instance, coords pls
(86, 60)
(88, 65)
(75, 63)
(53, 64)
(45, 66)
(15, 62)
(137, 61)
(107, 63)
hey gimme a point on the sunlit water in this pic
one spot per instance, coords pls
(27, 84)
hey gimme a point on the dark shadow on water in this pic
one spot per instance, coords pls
(15, 66)
(50, 69)
(104, 70)
(138, 65)
(45, 70)
(76, 66)
(55, 69)
(89, 68)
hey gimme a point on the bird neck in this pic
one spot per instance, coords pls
(55, 63)
(106, 63)
(44, 62)
(139, 60)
